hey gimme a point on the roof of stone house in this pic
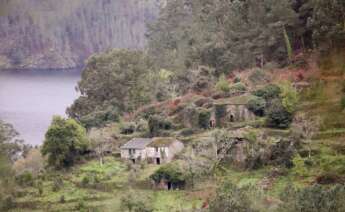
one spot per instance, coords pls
(162, 142)
(137, 143)
(237, 100)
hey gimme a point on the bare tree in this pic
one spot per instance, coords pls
(308, 127)
(99, 143)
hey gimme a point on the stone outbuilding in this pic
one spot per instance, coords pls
(154, 150)
(233, 109)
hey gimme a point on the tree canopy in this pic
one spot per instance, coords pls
(64, 141)
(112, 83)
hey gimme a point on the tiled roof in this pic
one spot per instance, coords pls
(137, 143)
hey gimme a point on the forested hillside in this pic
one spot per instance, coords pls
(62, 34)
(252, 91)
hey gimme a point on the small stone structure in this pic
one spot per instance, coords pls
(233, 109)
(154, 150)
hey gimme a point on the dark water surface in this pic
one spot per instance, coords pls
(29, 99)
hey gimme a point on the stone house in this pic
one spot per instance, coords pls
(233, 109)
(153, 150)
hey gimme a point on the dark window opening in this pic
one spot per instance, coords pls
(232, 118)
(133, 160)
(158, 161)
(169, 186)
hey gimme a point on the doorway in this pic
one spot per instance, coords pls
(158, 161)
(232, 118)
(169, 186)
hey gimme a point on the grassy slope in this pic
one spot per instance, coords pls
(106, 196)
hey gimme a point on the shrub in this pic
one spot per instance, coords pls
(169, 172)
(269, 92)
(281, 154)
(237, 79)
(85, 181)
(238, 87)
(223, 84)
(289, 96)
(25, 179)
(81, 206)
(158, 123)
(258, 76)
(278, 116)
(257, 106)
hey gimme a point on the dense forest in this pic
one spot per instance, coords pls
(47, 34)
(253, 90)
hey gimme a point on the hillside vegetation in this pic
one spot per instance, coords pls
(253, 89)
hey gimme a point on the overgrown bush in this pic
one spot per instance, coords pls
(257, 106)
(289, 96)
(278, 116)
(238, 87)
(81, 206)
(157, 124)
(169, 172)
(237, 79)
(281, 154)
(223, 84)
(269, 92)
(25, 179)
(258, 76)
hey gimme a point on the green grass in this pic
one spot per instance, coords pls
(112, 172)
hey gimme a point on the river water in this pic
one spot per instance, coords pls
(29, 99)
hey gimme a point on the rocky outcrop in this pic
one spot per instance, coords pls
(50, 34)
